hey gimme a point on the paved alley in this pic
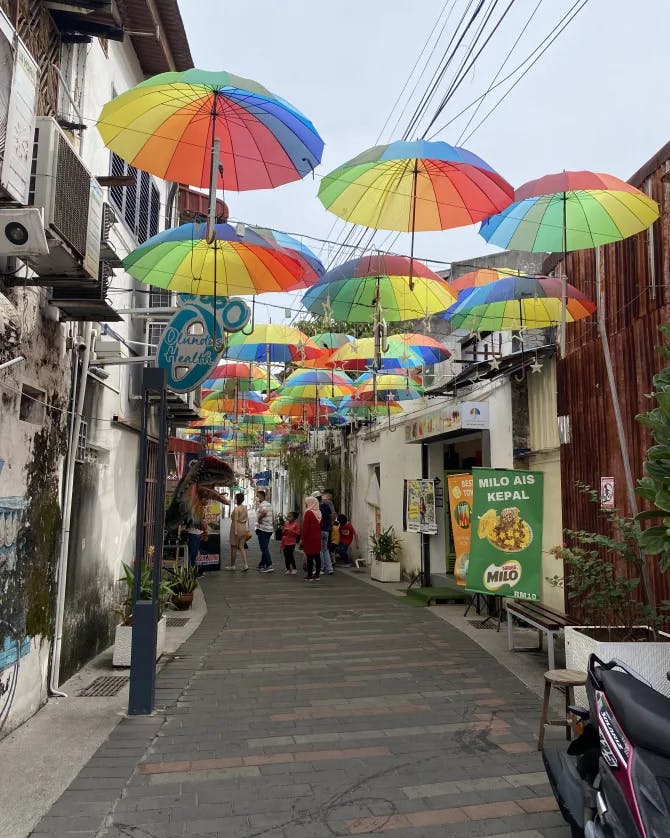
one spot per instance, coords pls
(325, 709)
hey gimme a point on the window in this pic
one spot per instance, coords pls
(138, 204)
(159, 297)
(32, 405)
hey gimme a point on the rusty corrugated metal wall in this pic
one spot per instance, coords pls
(636, 277)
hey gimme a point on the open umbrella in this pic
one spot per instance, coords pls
(245, 402)
(359, 355)
(313, 384)
(391, 387)
(312, 411)
(518, 302)
(332, 340)
(234, 376)
(273, 343)
(413, 186)
(430, 351)
(570, 211)
(360, 290)
(248, 261)
(169, 124)
(482, 276)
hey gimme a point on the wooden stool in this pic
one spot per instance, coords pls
(568, 678)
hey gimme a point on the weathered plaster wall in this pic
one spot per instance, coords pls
(30, 457)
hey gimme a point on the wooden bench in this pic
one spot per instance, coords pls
(544, 619)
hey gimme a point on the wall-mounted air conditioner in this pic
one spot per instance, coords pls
(72, 202)
(19, 75)
(22, 232)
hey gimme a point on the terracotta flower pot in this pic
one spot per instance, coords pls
(182, 601)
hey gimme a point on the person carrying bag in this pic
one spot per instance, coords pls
(239, 532)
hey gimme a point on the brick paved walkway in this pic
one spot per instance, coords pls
(324, 709)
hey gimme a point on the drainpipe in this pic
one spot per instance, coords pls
(77, 407)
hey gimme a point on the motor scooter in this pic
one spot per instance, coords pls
(613, 780)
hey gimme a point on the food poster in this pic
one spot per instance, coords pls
(460, 505)
(421, 507)
(506, 543)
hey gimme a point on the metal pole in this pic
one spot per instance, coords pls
(412, 226)
(564, 277)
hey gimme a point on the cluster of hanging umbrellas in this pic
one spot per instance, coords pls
(217, 130)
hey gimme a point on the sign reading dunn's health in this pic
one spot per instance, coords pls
(506, 545)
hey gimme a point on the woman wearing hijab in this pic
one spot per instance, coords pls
(311, 538)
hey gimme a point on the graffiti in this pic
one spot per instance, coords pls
(11, 652)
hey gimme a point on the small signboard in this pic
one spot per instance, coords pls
(506, 543)
(460, 506)
(607, 493)
(420, 512)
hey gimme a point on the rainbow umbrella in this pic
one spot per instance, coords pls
(245, 402)
(312, 384)
(258, 421)
(430, 351)
(391, 387)
(168, 125)
(570, 211)
(519, 302)
(273, 343)
(482, 276)
(231, 376)
(359, 355)
(242, 260)
(364, 407)
(312, 412)
(414, 186)
(361, 289)
(413, 376)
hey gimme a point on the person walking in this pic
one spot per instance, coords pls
(311, 538)
(289, 539)
(327, 520)
(264, 523)
(239, 527)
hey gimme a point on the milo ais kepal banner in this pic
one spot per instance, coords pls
(506, 545)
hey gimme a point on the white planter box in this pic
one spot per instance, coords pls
(385, 571)
(123, 642)
(650, 660)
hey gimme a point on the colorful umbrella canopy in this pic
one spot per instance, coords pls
(430, 351)
(570, 211)
(311, 384)
(245, 402)
(245, 262)
(359, 355)
(390, 387)
(413, 186)
(272, 343)
(231, 375)
(414, 377)
(518, 302)
(166, 125)
(348, 292)
(258, 421)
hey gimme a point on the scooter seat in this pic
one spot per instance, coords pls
(643, 713)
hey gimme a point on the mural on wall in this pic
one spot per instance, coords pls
(11, 652)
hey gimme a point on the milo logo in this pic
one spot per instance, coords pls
(497, 576)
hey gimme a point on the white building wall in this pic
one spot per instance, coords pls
(103, 522)
(399, 460)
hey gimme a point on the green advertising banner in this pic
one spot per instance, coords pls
(506, 546)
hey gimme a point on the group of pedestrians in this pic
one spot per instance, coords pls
(325, 536)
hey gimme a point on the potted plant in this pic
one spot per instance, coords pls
(183, 581)
(123, 634)
(603, 574)
(385, 554)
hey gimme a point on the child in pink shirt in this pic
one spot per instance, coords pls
(289, 539)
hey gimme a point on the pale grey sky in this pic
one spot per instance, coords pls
(597, 99)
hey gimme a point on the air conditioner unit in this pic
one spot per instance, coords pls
(72, 202)
(18, 96)
(22, 232)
